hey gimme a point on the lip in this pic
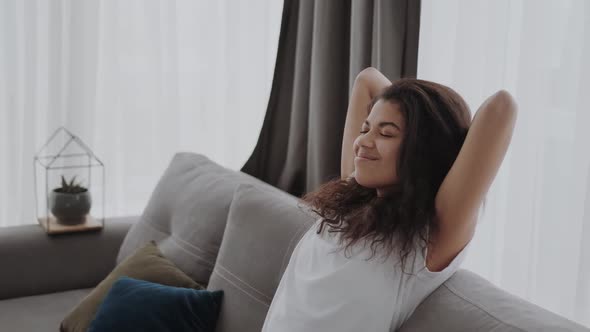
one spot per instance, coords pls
(363, 159)
(364, 156)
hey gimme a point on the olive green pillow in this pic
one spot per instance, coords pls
(147, 264)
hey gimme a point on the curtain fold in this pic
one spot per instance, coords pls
(323, 45)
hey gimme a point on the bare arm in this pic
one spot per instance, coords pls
(368, 83)
(469, 179)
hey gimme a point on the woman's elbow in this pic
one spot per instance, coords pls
(501, 110)
(505, 103)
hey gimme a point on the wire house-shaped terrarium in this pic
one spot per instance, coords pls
(69, 185)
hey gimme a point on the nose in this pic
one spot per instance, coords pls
(366, 140)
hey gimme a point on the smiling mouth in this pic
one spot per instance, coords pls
(364, 159)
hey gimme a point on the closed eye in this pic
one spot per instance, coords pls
(364, 132)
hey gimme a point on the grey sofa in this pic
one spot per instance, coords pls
(229, 231)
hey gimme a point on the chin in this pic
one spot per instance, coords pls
(371, 182)
(366, 182)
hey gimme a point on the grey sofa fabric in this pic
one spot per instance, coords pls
(190, 207)
(35, 263)
(468, 302)
(262, 231)
(187, 212)
(38, 313)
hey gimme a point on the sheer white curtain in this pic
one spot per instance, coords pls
(533, 238)
(137, 81)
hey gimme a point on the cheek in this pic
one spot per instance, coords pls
(389, 161)
(389, 153)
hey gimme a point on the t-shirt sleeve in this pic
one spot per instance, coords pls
(440, 276)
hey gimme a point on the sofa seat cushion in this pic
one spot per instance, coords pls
(40, 312)
(187, 212)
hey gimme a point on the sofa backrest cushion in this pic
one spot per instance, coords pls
(262, 231)
(187, 212)
(468, 302)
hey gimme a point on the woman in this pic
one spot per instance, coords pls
(415, 170)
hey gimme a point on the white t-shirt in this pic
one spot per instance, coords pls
(323, 290)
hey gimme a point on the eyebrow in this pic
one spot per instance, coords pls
(383, 124)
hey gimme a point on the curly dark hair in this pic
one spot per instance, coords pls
(437, 120)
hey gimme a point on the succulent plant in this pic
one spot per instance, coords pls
(70, 188)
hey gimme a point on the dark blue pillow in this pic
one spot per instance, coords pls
(138, 305)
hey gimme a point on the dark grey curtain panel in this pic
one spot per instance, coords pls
(323, 45)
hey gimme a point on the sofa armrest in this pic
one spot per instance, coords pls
(32, 262)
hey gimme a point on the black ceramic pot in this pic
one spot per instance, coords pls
(69, 208)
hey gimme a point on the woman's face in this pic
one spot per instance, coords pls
(380, 140)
